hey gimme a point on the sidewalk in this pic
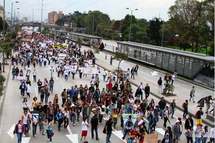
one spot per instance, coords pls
(6, 75)
(146, 75)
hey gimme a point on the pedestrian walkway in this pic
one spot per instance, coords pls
(147, 75)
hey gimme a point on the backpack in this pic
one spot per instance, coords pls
(129, 124)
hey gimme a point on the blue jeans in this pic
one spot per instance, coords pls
(198, 140)
(126, 131)
(19, 137)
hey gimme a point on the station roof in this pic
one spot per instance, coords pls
(169, 50)
(80, 34)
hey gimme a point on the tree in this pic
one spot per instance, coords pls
(154, 31)
(191, 19)
(120, 57)
(6, 46)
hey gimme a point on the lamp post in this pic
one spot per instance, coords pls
(13, 6)
(41, 20)
(131, 11)
(4, 29)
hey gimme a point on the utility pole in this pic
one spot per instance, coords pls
(42, 4)
(32, 15)
(93, 25)
(11, 16)
(129, 36)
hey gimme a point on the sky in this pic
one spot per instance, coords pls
(116, 9)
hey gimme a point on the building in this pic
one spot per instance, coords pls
(54, 16)
(1, 11)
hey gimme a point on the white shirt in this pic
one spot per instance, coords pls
(212, 133)
(84, 126)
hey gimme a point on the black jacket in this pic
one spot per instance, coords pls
(94, 121)
(109, 126)
(188, 124)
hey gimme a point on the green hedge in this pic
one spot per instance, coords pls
(2, 79)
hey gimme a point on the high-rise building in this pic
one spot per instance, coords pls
(54, 16)
(1, 11)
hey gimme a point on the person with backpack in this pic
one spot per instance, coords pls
(49, 132)
(35, 120)
(177, 131)
(128, 126)
(19, 130)
(139, 93)
(59, 118)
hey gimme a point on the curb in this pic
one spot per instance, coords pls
(163, 71)
(159, 97)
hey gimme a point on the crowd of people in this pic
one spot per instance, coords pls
(88, 105)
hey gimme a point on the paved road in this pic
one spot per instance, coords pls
(12, 109)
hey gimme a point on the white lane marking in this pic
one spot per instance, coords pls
(154, 73)
(26, 139)
(36, 92)
(160, 131)
(69, 130)
(10, 131)
(119, 134)
(73, 138)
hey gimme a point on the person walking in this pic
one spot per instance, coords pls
(162, 105)
(185, 109)
(205, 134)
(147, 90)
(35, 119)
(198, 115)
(34, 76)
(84, 129)
(94, 126)
(192, 94)
(49, 132)
(128, 126)
(160, 82)
(172, 108)
(59, 118)
(64, 97)
(198, 134)
(177, 131)
(51, 84)
(188, 125)
(108, 128)
(19, 130)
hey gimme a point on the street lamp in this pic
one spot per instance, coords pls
(131, 10)
(13, 10)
